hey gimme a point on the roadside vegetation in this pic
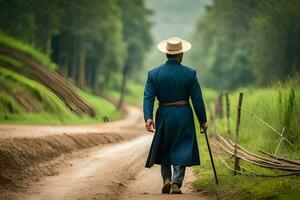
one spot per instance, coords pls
(26, 100)
(278, 106)
(252, 47)
(42, 106)
(133, 94)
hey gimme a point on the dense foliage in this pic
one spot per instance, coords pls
(91, 41)
(243, 42)
(136, 33)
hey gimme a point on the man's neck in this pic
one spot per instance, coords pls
(176, 59)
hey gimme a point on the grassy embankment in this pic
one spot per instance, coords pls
(42, 105)
(273, 105)
(32, 93)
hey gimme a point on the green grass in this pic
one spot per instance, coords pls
(265, 104)
(242, 186)
(27, 50)
(254, 135)
(11, 61)
(49, 106)
(102, 106)
(133, 95)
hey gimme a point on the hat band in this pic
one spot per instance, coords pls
(174, 47)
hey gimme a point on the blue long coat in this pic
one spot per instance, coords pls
(174, 141)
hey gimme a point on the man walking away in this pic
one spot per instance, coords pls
(174, 142)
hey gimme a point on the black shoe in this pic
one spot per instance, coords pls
(166, 187)
(175, 189)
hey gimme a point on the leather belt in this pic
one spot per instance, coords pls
(176, 103)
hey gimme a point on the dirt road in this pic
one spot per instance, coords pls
(114, 171)
(133, 118)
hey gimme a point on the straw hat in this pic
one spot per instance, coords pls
(174, 45)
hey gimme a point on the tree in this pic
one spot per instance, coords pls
(137, 35)
(47, 15)
(96, 31)
(275, 40)
(89, 40)
(245, 42)
(17, 20)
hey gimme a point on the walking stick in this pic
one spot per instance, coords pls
(210, 155)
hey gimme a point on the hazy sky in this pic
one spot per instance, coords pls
(175, 17)
(172, 18)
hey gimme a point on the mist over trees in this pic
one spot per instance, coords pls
(247, 42)
(93, 42)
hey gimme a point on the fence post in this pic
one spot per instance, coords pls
(212, 118)
(219, 106)
(236, 139)
(228, 113)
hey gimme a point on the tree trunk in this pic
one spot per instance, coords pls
(219, 106)
(74, 61)
(88, 73)
(81, 72)
(62, 57)
(48, 45)
(95, 78)
(123, 87)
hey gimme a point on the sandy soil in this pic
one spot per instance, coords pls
(114, 171)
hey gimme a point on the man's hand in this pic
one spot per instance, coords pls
(150, 125)
(203, 127)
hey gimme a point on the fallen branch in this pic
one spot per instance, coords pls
(226, 165)
(247, 153)
(281, 139)
(280, 158)
(262, 164)
(270, 175)
(269, 126)
(250, 173)
(256, 156)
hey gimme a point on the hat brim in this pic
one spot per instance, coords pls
(162, 46)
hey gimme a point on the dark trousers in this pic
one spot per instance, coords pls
(178, 174)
